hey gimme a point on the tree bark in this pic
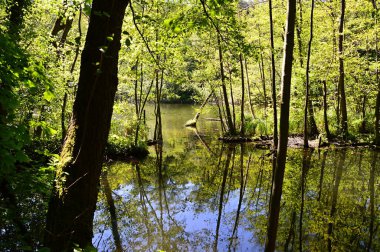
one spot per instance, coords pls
(274, 208)
(73, 202)
(343, 105)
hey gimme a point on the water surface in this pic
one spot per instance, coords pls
(197, 194)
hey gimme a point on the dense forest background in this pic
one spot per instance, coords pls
(227, 53)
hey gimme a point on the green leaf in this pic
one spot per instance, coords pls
(48, 95)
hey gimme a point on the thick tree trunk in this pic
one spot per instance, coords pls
(274, 102)
(342, 91)
(274, 208)
(73, 202)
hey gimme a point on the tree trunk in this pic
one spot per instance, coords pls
(343, 108)
(249, 90)
(274, 208)
(305, 121)
(73, 202)
(325, 119)
(242, 126)
(15, 10)
(230, 124)
(313, 129)
(274, 102)
(377, 108)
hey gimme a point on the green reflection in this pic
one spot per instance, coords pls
(196, 194)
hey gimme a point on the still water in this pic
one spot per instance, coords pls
(196, 194)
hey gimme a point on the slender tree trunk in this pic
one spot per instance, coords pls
(377, 108)
(242, 126)
(274, 97)
(232, 98)
(230, 124)
(274, 209)
(65, 97)
(63, 112)
(344, 123)
(73, 202)
(249, 91)
(325, 119)
(299, 22)
(305, 121)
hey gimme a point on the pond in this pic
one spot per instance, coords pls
(196, 194)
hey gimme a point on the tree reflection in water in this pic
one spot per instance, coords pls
(184, 197)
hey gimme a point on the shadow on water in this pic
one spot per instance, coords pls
(195, 194)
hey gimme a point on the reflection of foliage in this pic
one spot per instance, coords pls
(175, 206)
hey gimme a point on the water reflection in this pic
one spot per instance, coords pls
(195, 194)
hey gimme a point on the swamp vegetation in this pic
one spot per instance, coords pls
(205, 125)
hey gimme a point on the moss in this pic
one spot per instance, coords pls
(66, 159)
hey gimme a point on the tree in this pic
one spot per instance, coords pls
(15, 10)
(274, 208)
(73, 202)
(342, 91)
(274, 102)
(305, 134)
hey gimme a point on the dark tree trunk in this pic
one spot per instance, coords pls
(274, 102)
(73, 202)
(306, 108)
(274, 208)
(112, 210)
(342, 91)
(15, 10)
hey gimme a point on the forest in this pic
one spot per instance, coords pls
(189, 125)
